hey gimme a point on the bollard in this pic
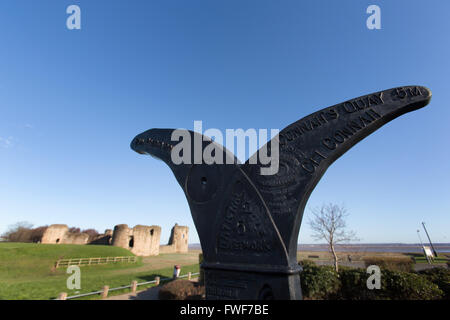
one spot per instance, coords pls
(176, 271)
(105, 292)
(157, 279)
(133, 286)
(62, 296)
(189, 275)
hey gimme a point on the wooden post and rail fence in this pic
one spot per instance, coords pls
(133, 286)
(93, 261)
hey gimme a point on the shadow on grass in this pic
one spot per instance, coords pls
(152, 276)
(149, 294)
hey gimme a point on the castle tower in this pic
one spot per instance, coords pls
(179, 238)
(56, 233)
(141, 240)
(121, 236)
(178, 241)
(145, 240)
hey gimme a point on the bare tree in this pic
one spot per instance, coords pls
(74, 230)
(37, 234)
(18, 232)
(328, 223)
(92, 233)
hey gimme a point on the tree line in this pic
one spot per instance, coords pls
(23, 231)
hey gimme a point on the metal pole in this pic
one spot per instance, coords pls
(434, 251)
(420, 239)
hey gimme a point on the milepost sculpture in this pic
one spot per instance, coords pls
(248, 223)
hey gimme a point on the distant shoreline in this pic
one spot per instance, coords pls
(400, 248)
(367, 247)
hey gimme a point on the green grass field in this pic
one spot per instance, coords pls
(418, 258)
(438, 260)
(27, 270)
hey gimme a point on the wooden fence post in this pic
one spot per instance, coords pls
(157, 280)
(105, 292)
(133, 286)
(189, 275)
(62, 296)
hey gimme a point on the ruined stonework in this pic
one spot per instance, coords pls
(141, 240)
(103, 239)
(120, 236)
(55, 233)
(59, 234)
(178, 241)
(146, 240)
(75, 238)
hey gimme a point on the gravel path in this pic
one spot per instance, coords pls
(147, 294)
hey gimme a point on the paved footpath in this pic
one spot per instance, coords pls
(147, 294)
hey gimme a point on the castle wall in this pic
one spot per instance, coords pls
(155, 231)
(75, 238)
(103, 239)
(141, 240)
(55, 233)
(145, 240)
(167, 249)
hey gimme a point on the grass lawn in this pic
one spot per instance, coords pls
(359, 256)
(438, 259)
(26, 269)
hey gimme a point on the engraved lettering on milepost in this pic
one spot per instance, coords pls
(245, 228)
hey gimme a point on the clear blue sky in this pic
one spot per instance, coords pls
(72, 100)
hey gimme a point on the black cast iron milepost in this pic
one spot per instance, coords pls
(248, 223)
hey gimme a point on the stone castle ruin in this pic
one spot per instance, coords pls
(140, 240)
(178, 241)
(59, 233)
